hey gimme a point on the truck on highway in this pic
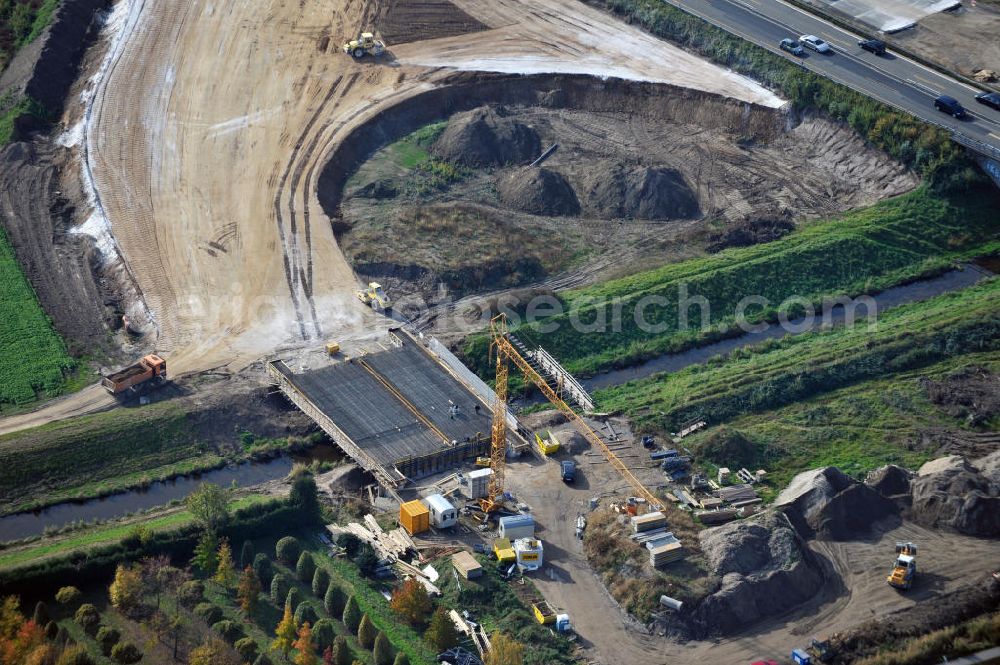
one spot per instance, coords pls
(137, 377)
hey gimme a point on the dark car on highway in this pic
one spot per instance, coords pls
(949, 105)
(791, 46)
(876, 46)
(991, 99)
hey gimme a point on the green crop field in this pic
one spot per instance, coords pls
(33, 359)
(864, 251)
(757, 379)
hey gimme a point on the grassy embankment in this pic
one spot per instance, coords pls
(21, 22)
(864, 251)
(105, 453)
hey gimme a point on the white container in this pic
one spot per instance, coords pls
(479, 483)
(516, 526)
(443, 514)
(529, 553)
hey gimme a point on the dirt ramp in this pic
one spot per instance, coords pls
(827, 504)
(538, 191)
(641, 192)
(487, 136)
(765, 567)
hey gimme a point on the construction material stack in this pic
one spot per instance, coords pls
(649, 522)
(664, 549)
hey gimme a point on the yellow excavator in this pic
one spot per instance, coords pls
(375, 297)
(902, 573)
(364, 45)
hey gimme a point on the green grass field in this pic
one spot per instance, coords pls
(33, 359)
(769, 376)
(864, 251)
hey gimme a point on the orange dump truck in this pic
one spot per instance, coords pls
(152, 369)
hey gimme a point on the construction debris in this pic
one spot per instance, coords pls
(737, 493)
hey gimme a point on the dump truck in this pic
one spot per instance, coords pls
(364, 45)
(375, 297)
(905, 570)
(138, 377)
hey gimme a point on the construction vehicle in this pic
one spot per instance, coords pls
(375, 297)
(483, 461)
(505, 350)
(137, 377)
(902, 574)
(332, 348)
(365, 44)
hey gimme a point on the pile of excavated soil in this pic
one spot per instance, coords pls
(972, 393)
(405, 21)
(731, 448)
(749, 232)
(890, 481)
(765, 567)
(950, 492)
(487, 136)
(830, 505)
(641, 192)
(538, 191)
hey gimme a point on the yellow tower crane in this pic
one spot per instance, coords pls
(505, 351)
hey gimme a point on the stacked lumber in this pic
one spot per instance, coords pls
(737, 493)
(710, 503)
(648, 522)
(664, 550)
(713, 517)
(643, 538)
(390, 546)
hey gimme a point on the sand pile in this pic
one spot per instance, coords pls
(538, 191)
(950, 492)
(640, 192)
(765, 567)
(830, 505)
(890, 481)
(487, 137)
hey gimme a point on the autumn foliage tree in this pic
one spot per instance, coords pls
(248, 591)
(410, 601)
(442, 632)
(505, 650)
(225, 573)
(126, 589)
(305, 647)
(285, 633)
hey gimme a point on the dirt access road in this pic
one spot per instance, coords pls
(947, 562)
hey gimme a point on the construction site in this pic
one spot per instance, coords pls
(308, 234)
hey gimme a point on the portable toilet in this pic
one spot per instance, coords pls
(479, 483)
(443, 514)
(529, 553)
(562, 623)
(513, 527)
(414, 517)
(800, 657)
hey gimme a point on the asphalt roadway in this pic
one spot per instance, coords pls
(893, 79)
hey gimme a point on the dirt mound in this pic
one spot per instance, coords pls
(830, 505)
(749, 232)
(640, 192)
(542, 419)
(729, 447)
(972, 393)
(571, 440)
(950, 492)
(538, 191)
(414, 20)
(378, 189)
(765, 567)
(487, 136)
(890, 481)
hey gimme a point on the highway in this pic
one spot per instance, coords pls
(893, 79)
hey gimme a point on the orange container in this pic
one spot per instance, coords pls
(414, 517)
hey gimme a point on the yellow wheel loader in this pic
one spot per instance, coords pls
(375, 297)
(365, 44)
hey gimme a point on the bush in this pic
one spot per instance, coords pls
(442, 633)
(366, 560)
(68, 595)
(287, 550)
(88, 617)
(41, 615)
(334, 600)
(246, 647)
(107, 637)
(125, 653)
(75, 655)
(190, 593)
(340, 651)
(320, 582)
(366, 632)
(294, 598)
(279, 590)
(352, 615)
(51, 630)
(228, 630)
(246, 555)
(262, 660)
(324, 633)
(382, 653)
(305, 613)
(401, 659)
(262, 566)
(209, 613)
(306, 567)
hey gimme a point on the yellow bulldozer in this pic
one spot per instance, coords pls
(902, 573)
(365, 44)
(375, 297)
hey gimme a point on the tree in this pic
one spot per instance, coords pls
(75, 655)
(41, 615)
(306, 567)
(411, 602)
(294, 598)
(352, 615)
(126, 589)
(107, 637)
(334, 600)
(246, 554)
(224, 572)
(213, 652)
(68, 595)
(285, 633)
(442, 632)
(262, 566)
(287, 550)
(210, 506)
(324, 633)
(305, 613)
(248, 591)
(304, 645)
(401, 659)
(190, 593)
(505, 650)
(366, 560)
(157, 575)
(246, 647)
(87, 617)
(382, 653)
(320, 582)
(366, 633)
(305, 496)
(340, 652)
(262, 660)
(279, 589)
(206, 553)
(11, 618)
(125, 653)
